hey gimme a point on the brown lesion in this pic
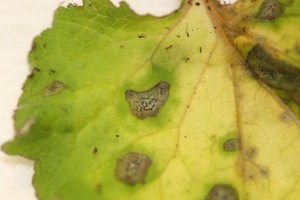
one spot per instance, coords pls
(54, 88)
(148, 103)
(222, 192)
(253, 170)
(275, 73)
(231, 145)
(270, 10)
(250, 153)
(132, 168)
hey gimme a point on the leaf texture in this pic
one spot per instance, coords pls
(120, 106)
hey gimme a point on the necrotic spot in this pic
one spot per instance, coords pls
(270, 10)
(264, 67)
(232, 145)
(250, 153)
(54, 88)
(222, 192)
(275, 73)
(148, 103)
(133, 168)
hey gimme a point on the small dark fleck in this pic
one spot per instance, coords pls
(190, 2)
(186, 30)
(285, 117)
(200, 49)
(35, 70)
(222, 192)
(30, 76)
(52, 72)
(121, 46)
(208, 7)
(187, 34)
(95, 150)
(169, 47)
(133, 168)
(44, 45)
(141, 36)
(178, 36)
(231, 145)
(197, 4)
(186, 59)
(117, 136)
(244, 29)
(167, 28)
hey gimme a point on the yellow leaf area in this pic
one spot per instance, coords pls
(278, 34)
(217, 134)
(220, 101)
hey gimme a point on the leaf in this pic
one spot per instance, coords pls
(120, 106)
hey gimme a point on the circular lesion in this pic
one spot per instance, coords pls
(231, 145)
(222, 192)
(132, 168)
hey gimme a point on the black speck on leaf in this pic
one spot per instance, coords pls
(52, 72)
(95, 150)
(169, 47)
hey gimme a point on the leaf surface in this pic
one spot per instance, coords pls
(120, 106)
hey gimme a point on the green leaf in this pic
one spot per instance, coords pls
(201, 104)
